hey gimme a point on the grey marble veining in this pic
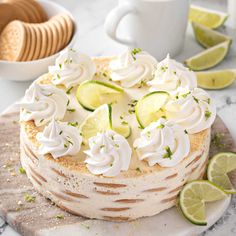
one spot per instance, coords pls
(90, 15)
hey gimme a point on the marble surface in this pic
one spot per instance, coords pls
(90, 16)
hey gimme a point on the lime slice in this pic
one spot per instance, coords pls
(98, 121)
(92, 94)
(193, 197)
(150, 107)
(221, 164)
(216, 79)
(209, 18)
(124, 130)
(207, 37)
(209, 57)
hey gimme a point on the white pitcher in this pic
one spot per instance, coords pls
(156, 26)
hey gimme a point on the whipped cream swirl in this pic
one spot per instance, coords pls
(59, 139)
(170, 74)
(42, 103)
(194, 110)
(108, 155)
(132, 68)
(72, 68)
(162, 142)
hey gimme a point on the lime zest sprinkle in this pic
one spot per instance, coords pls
(168, 153)
(22, 170)
(207, 114)
(69, 90)
(138, 169)
(75, 124)
(60, 216)
(29, 198)
(217, 140)
(71, 109)
(135, 51)
(161, 126)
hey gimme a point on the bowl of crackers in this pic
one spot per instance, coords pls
(32, 34)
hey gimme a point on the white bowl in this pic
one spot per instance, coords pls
(30, 70)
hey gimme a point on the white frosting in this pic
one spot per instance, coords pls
(193, 110)
(170, 74)
(164, 143)
(59, 139)
(132, 69)
(72, 68)
(42, 103)
(109, 154)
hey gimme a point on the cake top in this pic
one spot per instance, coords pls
(107, 111)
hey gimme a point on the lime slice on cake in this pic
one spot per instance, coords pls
(93, 93)
(150, 107)
(98, 121)
(193, 197)
(209, 18)
(220, 165)
(208, 37)
(209, 57)
(216, 79)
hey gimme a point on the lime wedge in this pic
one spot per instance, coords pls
(92, 94)
(216, 79)
(221, 164)
(124, 130)
(208, 37)
(193, 197)
(209, 57)
(98, 121)
(150, 107)
(209, 18)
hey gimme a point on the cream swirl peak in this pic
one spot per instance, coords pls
(162, 142)
(194, 110)
(42, 103)
(108, 155)
(72, 68)
(59, 139)
(132, 68)
(170, 74)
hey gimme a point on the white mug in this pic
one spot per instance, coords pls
(156, 26)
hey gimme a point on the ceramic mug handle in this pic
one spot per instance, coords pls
(113, 20)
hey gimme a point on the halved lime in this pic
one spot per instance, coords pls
(209, 18)
(209, 57)
(193, 197)
(220, 165)
(124, 130)
(98, 121)
(218, 79)
(208, 37)
(93, 93)
(150, 107)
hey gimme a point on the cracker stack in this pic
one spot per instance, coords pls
(25, 34)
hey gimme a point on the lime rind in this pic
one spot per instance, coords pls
(193, 197)
(219, 166)
(209, 58)
(149, 107)
(93, 93)
(124, 130)
(207, 37)
(216, 79)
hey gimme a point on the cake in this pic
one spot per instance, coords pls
(102, 152)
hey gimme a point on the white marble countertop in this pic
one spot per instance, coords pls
(93, 41)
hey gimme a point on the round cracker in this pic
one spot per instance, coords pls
(70, 27)
(44, 40)
(50, 39)
(32, 44)
(28, 43)
(40, 10)
(12, 41)
(60, 32)
(38, 41)
(32, 9)
(7, 14)
(55, 36)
